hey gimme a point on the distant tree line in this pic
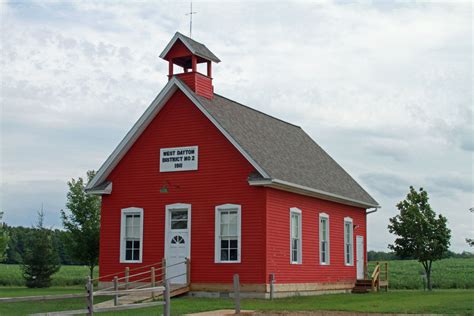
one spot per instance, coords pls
(21, 237)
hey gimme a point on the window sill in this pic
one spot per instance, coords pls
(130, 261)
(324, 264)
(227, 262)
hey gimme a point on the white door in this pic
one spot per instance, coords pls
(360, 257)
(177, 241)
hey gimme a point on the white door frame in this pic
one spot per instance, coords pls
(357, 256)
(170, 207)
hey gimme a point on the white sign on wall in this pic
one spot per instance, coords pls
(178, 159)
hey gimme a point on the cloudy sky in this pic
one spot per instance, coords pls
(384, 87)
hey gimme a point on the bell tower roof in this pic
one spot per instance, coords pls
(195, 48)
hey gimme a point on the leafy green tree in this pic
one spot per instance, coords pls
(470, 241)
(4, 238)
(82, 223)
(420, 233)
(40, 260)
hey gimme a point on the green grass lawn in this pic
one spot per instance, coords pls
(10, 275)
(436, 302)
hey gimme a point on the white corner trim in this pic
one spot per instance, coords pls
(125, 211)
(217, 228)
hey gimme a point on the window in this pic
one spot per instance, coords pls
(348, 242)
(227, 234)
(295, 235)
(324, 238)
(179, 219)
(131, 233)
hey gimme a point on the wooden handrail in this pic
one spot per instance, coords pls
(376, 278)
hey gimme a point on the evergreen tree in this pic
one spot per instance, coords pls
(40, 260)
(82, 223)
(420, 233)
(3, 239)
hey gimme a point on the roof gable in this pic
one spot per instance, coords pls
(142, 123)
(194, 47)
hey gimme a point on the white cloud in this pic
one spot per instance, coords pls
(384, 87)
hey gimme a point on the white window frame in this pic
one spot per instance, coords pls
(328, 252)
(217, 232)
(348, 220)
(129, 211)
(297, 211)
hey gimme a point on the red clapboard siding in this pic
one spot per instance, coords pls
(221, 179)
(278, 204)
(178, 50)
(199, 83)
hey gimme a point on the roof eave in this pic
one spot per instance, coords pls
(100, 191)
(304, 190)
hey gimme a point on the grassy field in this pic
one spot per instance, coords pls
(10, 275)
(26, 308)
(437, 302)
(446, 274)
(404, 274)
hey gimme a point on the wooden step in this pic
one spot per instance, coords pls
(179, 291)
(364, 281)
(358, 290)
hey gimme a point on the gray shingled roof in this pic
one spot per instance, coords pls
(283, 150)
(195, 47)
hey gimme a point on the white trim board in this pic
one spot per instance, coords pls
(304, 190)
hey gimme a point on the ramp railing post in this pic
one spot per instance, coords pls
(166, 298)
(163, 270)
(127, 276)
(90, 296)
(116, 297)
(237, 293)
(188, 271)
(153, 282)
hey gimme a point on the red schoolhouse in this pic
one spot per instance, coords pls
(232, 189)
